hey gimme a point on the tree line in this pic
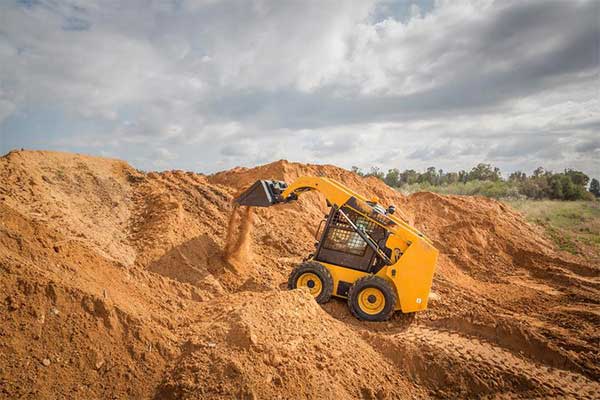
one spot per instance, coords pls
(487, 180)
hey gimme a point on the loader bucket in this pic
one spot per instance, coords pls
(262, 193)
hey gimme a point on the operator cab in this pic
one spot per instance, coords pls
(340, 244)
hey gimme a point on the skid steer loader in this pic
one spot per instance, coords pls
(363, 253)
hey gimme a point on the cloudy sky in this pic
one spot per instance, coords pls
(207, 85)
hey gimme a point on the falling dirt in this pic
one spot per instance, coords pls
(237, 250)
(115, 283)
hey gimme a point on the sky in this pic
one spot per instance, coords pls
(207, 85)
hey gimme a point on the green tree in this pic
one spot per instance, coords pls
(392, 178)
(517, 176)
(429, 176)
(485, 172)
(595, 187)
(577, 177)
(556, 187)
(569, 189)
(562, 187)
(452, 177)
(440, 177)
(409, 176)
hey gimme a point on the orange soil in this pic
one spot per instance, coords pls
(115, 283)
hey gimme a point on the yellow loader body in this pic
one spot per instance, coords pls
(367, 251)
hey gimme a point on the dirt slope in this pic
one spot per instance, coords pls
(114, 283)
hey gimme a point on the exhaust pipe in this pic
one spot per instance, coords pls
(262, 193)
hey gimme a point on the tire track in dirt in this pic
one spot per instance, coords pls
(512, 336)
(449, 362)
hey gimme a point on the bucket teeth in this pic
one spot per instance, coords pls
(262, 193)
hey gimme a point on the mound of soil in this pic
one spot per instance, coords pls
(119, 283)
(264, 345)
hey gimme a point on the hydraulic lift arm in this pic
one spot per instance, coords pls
(265, 193)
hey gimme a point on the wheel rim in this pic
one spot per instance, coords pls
(310, 281)
(371, 301)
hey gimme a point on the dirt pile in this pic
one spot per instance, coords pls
(262, 345)
(73, 323)
(86, 198)
(478, 232)
(119, 283)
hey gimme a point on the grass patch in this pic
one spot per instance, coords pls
(573, 225)
(496, 190)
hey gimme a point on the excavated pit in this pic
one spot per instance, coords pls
(118, 283)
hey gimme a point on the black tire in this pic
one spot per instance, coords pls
(373, 282)
(321, 272)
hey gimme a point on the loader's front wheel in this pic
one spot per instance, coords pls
(315, 277)
(372, 298)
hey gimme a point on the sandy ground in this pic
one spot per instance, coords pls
(116, 283)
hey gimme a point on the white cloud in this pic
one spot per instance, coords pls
(6, 108)
(219, 83)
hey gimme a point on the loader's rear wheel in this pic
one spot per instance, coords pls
(372, 298)
(315, 277)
